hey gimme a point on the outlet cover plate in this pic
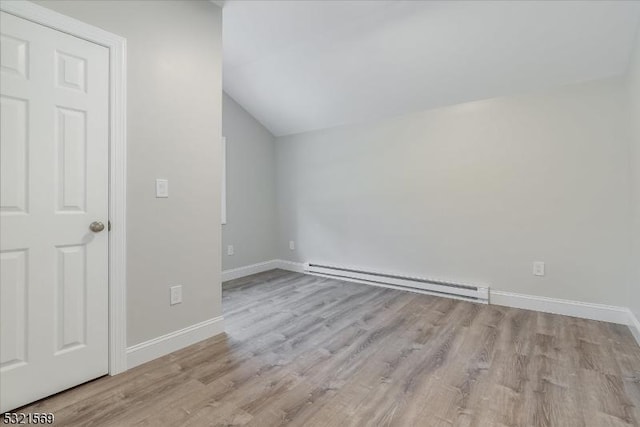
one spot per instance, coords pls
(538, 268)
(175, 294)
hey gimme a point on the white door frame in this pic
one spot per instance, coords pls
(117, 161)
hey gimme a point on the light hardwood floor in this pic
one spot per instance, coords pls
(308, 351)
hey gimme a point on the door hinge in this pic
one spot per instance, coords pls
(108, 225)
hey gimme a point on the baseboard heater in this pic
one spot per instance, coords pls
(441, 288)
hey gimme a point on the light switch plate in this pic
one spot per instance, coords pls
(162, 188)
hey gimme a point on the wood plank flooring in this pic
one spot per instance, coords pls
(308, 351)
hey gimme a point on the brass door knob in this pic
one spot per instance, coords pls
(96, 226)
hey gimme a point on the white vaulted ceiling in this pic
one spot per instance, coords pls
(303, 65)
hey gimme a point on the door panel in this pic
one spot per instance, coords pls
(54, 92)
(70, 296)
(14, 156)
(71, 150)
(13, 326)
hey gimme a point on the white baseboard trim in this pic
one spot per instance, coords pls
(298, 267)
(248, 270)
(585, 310)
(161, 346)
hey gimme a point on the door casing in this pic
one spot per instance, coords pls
(117, 160)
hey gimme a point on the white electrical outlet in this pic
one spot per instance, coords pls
(230, 250)
(175, 294)
(162, 188)
(538, 268)
(292, 245)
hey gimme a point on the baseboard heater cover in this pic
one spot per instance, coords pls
(441, 288)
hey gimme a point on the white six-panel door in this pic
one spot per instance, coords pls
(54, 183)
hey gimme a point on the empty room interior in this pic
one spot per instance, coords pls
(320, 213)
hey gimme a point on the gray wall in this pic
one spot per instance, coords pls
(174, 128)
(634, 90)
(251, 193)
(474, 192)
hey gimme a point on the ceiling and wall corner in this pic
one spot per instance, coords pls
(301, 66)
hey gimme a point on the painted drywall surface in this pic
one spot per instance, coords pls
(634, 91)
(251, 193)
(173, 130)
(474, 193)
